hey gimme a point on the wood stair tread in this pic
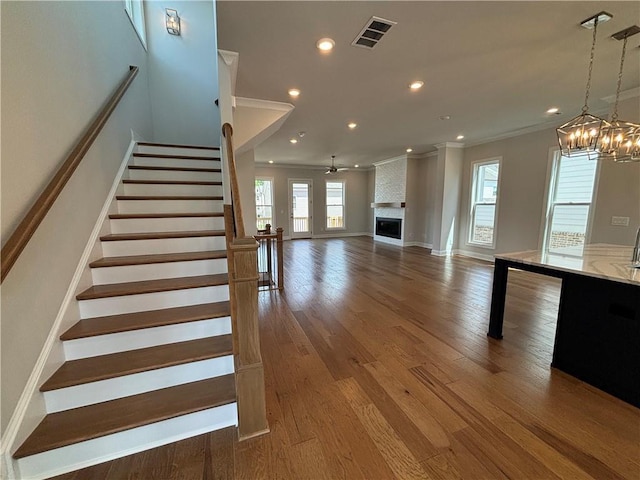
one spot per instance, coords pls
(92, 327)
(174, 169)
(93, 421)
(157, 258)
(114, 237)
(171, 145)
(176, 157)
(93, 369)
(168, 197)
(169, 182)
(152, 286)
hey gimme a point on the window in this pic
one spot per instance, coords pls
(264, 202)
(484, 194)
(135, 10)
(570, 196)
(335, 204)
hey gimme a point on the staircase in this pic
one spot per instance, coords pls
(151, 359)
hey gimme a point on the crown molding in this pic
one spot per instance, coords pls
(449, 145)
(390, 160)
(627, 94)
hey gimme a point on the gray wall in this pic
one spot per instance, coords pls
(60, 62)
(523, 184)
(357, 197)
(183, 73)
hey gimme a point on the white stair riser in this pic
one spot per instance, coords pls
(171, 189)
(166, 224)
(175, 162)
(162, 245)
(192, 152)
(105, 390)
(101, 307)
(152, 271)
(143, 338)
(175, 175)
(98, 450)
(170, 206)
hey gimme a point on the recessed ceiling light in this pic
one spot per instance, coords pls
(417, 85)
(293, 140)
(352, 125)
(270, 161)
(325, 44)
(294, 92)
(553, 110)
(409, 150)
(356, 166)
(445, 117)
(459, 137)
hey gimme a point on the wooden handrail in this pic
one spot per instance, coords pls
(18, 240)
(227, 131)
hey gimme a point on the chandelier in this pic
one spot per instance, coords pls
(620, 140)
(581, 134)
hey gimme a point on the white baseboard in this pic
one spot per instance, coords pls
(31, 388)
(419, 244)
(339, 235)
(440, 253)
(478, 256)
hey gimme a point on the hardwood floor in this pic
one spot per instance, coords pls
(378, 366)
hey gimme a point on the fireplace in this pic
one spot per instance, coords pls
(389, 227)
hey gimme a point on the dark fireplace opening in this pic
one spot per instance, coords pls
(389, 227)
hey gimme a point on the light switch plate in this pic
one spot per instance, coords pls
(620, 221)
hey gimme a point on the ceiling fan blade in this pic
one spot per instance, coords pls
(343, 169)
(327, 172)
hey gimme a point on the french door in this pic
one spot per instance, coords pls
(300, 208)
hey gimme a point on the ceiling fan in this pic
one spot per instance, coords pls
(333, 169)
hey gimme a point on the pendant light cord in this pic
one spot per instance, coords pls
(614, 117)
(585, 108)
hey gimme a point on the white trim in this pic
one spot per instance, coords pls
(389, 160)
(343, 181)
(419, 244)
(449, 145)
(310, 210)
(477, 256)
(266, 104)
(631, 93)
(440, 253)
(273, 197)
(31, 387)
(339, 235)
(472, 201)
(265, 164)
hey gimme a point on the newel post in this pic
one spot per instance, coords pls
(250, 388)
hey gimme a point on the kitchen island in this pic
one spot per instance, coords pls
(598, 328)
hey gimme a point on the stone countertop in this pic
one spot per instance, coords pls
(610, 262)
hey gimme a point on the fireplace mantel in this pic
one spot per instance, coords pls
(388, 205)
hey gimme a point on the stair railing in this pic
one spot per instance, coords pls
(20, 237)
(270, 259)
(242, 264)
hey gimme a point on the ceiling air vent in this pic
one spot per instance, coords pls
(372, 32)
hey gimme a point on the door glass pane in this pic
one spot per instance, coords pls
(300, 207)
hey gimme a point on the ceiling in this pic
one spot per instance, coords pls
(493, 67)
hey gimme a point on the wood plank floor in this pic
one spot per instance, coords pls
(378, 366)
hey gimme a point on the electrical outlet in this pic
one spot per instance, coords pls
(620, 221)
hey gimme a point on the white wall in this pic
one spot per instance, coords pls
(183, 73)
(60, 62)
(357, 200)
